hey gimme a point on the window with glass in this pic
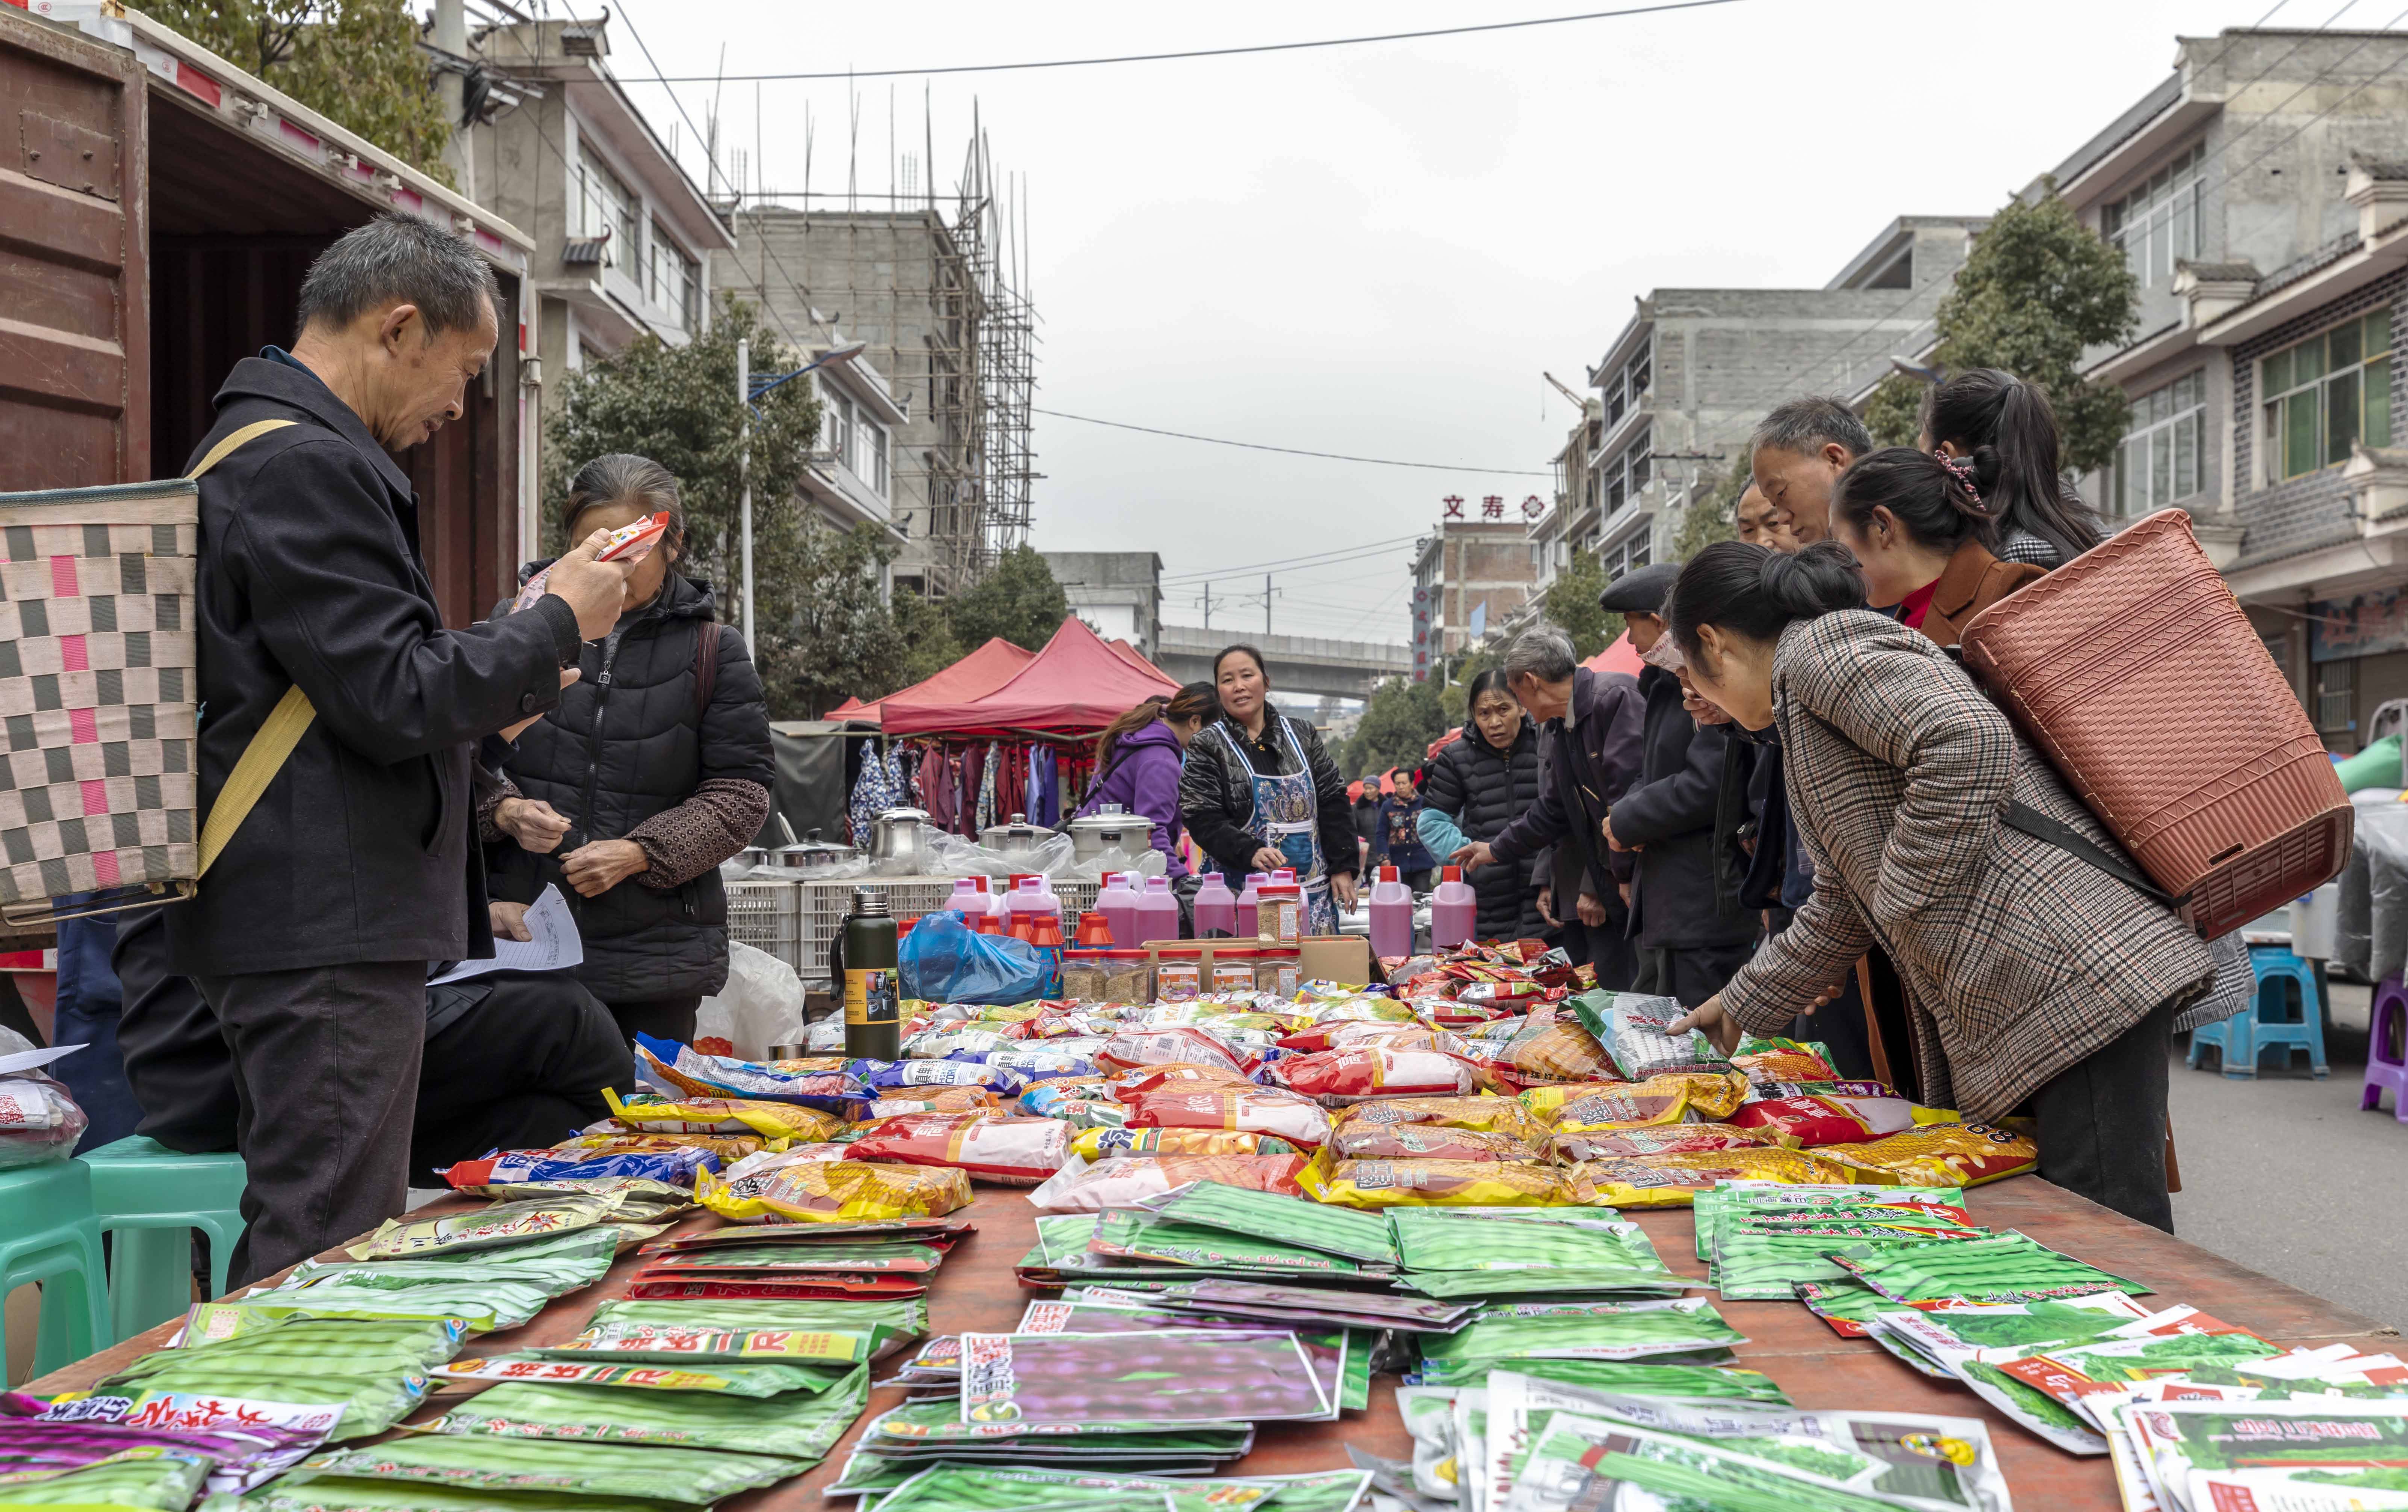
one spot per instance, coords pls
(607, 204)
(1623, 388)
(2326, 393)
(2336, 695)
(675, 279)
(836, 426)
(2163, 457)
(1630, 554)
(2161, 220)
(1627, 471)
(870, 463)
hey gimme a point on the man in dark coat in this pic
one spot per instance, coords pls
(312, 931)
(1691, 932)
(1590, 725)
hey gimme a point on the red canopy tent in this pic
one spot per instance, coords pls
(1074, 687)
(981, 672)
(1619, 657)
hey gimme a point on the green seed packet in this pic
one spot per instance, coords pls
(969, 1488)
(793, 1426)
(1268, 1215)
(1577, 1461)
(937, 1425)
(1765, 1262)
(907, 1319)
(367, 1404)
(1143, 1237)
(347, 1347)
(484, 1307)
(1769, 1197)
(1502, 1333)
(704, 1343)
(146, 1476)
(1700, 1383)
(1453, 1239)
(1465, 1286)
(333, 1494)
(481, 1460)
(2007, 1267)
(732, 1380)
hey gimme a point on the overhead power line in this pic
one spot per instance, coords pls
(1191, 53)
(1309, 559)
(1294, 452)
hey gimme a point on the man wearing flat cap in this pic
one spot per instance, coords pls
(1691, 932)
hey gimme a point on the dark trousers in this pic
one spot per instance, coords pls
(1690, 974)
(667, 1017)
(524, 1068)
(2102, 1123)
(326, 1072)
(1606, 948)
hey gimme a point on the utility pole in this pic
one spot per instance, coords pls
(1266, 606)
(744, 472)
(1207, 604)
(451, 41)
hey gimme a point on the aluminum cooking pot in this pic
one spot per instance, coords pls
(898, 842)
(1018, 838)
(1091, 835)
(812, 854)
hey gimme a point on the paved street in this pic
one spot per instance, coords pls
(2285, 1176)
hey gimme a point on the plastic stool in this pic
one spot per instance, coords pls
(49, 1233)
(2385, 1066)
(152, 1198)
(2230, 1039)
(2275, 964)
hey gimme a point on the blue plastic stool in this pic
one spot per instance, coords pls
(152, 1198)
(2270, 1023)
(49, 1233)
(2230, 1042)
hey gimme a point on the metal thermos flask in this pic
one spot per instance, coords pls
(873, 990)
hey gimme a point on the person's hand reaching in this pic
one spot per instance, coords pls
(536, 825)
(594, 869)
(1475, 854)
(596, 591)
(1708, 1019)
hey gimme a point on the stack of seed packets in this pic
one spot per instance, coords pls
(1759, 1240)
(974, 1488)
(428, 1470)
(2318, 1430)
(488, 1287)
(1208, 1229)
(878, 1260)
(1485, 1252)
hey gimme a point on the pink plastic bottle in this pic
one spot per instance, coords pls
(1117, 902)
(1455, 910)
(969, 900)
(1157, 912)
(1391, 916)
(1248, 896)
(1030, 900)
(1216, 908)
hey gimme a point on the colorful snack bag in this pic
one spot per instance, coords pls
(1014, 1151)
(1807, 1121)
(1938, 1155)
(1042, 1065)
(724, 1114)
(1783, 1060)
(1497, 1115)
(1660, 1139)
(1338, 1077)
(1549, 1049)
(1673, 1180)
(935, 1100)
(628, 543)
(827, 1191)
(1079, 1187)
(500, 1225)
(1093, 1144)
(729, 1148)
(1676, 1098)
(1179, 1077)
(1425, 1142)
(1172, 1046)
(1428, 1183)
(697, 1075)
(1297, 1119)
(496, 1168)
(1634, 1030)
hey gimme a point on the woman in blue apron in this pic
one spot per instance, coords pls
(1258, 793)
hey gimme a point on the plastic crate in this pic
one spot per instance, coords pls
(824, 905)
(767, 916)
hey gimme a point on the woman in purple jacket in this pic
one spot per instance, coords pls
(1138, 760)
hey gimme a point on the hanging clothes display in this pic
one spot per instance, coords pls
(987, 760)
(879, 787)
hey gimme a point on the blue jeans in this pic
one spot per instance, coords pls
(89, 1003)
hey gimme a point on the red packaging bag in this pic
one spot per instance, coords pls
(1297, 1119)
(1338, 1077)
(1013, 1151)
(1163, 1047)
(1805, 1123)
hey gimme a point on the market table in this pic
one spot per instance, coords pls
(975, 1292)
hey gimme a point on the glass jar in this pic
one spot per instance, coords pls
(1278, 972)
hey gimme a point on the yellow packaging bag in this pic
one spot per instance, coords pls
(1938, 1155)
(726, 1115)
(1376, 1184)
(1556, 1050)
(1673, 1180)
(1494, 1115)
(728, 1147)
(830, 1191)
(1091, 1145)
(1675, 1097)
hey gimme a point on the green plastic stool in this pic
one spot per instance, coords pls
(49, 1233)
(151, 1197)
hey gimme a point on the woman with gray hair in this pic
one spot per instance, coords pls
(655, 768)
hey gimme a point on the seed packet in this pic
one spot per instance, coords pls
(1660, 1139)
(1233, 1298)
(794, 1425)
(1765, 1262)
(910, 1076)
(724, 1114)
(630, 543)
(2311, 1453)
(1432, 1239)
(1288, 1220)
(151, 1475)
(1297, 1119)
(1130, 1181)
(1160, 1047)
(1427, 1142)
(895, 1258)
(1013, 1151)
(1139, 1235)
(729, 1147)
(332, 1493)
(703, 1343)
(1552, 1049)
(1673, 1180)
(835, 1191)
(1428, 1414)
(480, 1460)
(734, 1380)
(1675, 1097)
(1934, 1154)
(1694, 1383)
(481, 1305)
(1470, 1183)
(1634, 1030)
(483, 1228)
(2006, 1268)
(1176, 1376)
(1494, 1115)
(1943, 1205)
(901, 1320)
(1042, 1065)
(1783, 1060)
(673, 1068)
(239, 1394)
(963, 1488)
(1091, 1145)
(938, 1233)
(671, 1167)
(1502, 1333)
(1341, 1076)
(236, 1448)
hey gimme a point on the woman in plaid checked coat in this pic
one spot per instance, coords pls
(2037, 982)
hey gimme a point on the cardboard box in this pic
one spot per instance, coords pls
(1336, 958)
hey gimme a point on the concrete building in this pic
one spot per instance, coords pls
(1695, 369)
(849, 478)
(622, 236)
(2256, 193)
(1471, 576)
(1118, 593)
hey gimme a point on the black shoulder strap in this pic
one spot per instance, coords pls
(705, 668)
(2067, 838)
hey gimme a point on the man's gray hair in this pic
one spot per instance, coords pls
(399, 260)
(1807, 425)
(1544, 653)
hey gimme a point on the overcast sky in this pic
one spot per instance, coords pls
(1379, 250)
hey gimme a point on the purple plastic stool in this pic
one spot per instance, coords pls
(2386, 1066)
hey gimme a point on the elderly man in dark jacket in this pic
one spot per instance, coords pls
(312, 931)
(1691, 932)
(1590, 725)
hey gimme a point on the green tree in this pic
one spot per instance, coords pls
(2037, 290)
(1399, 720)
(1571, 605)
(1017, 599)
(354, 61)
(837, 640)
(929, 644)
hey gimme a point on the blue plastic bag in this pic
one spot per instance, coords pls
(944, 960)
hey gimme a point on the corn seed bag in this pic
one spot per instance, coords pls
(1371, 1184)
(713, 1114)
(827, 1191)
(1495, 1115)
(1674, 1098)
(1673, 1180)
(1939, 1154)
(1634, 1030)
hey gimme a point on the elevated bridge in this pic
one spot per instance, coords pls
(1300, 663)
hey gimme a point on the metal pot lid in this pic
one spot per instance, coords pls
(1018, 831)
(902, 815)
(1109, 817)
(811, 845)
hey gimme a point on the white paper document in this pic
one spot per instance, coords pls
(555, 948)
